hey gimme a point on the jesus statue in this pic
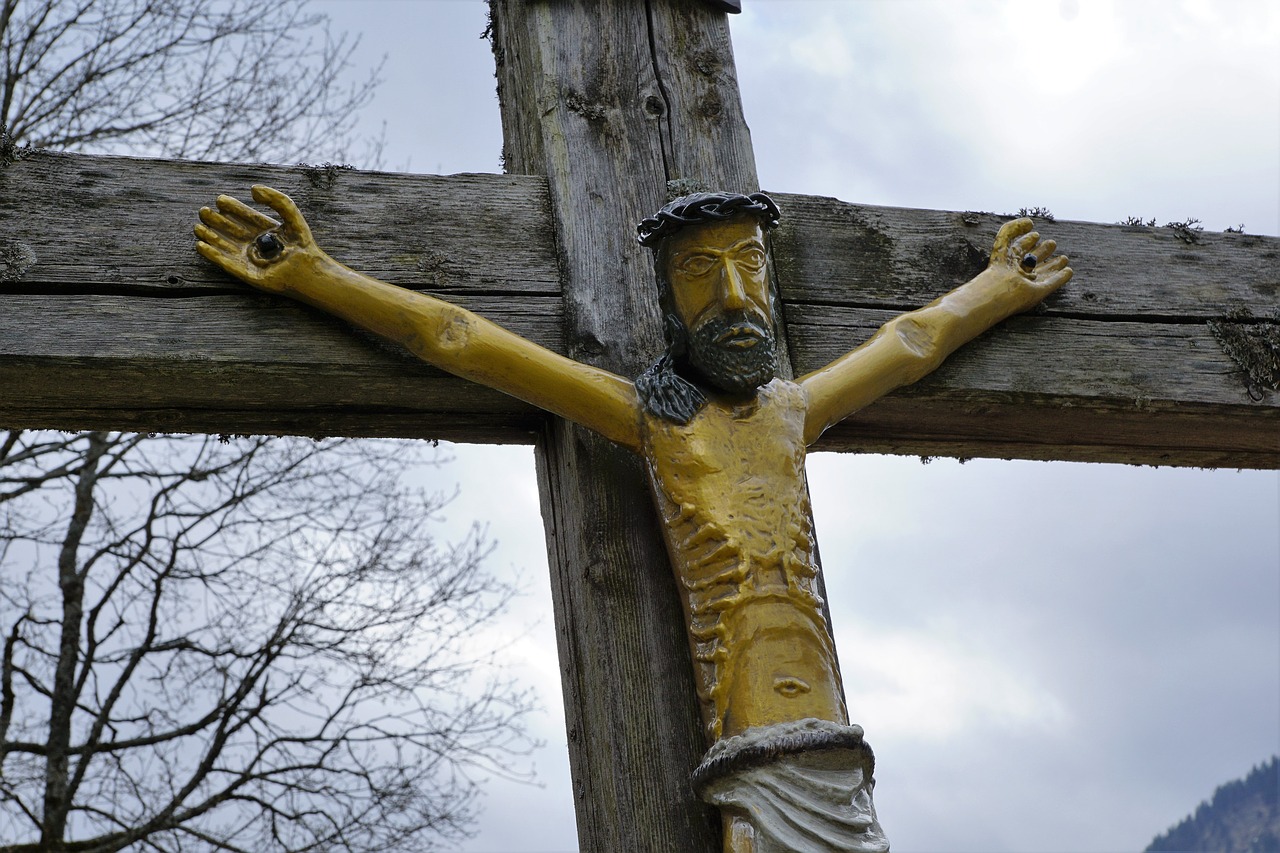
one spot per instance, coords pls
(723, 438)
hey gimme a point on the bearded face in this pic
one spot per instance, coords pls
(734, 351)
(718, 290)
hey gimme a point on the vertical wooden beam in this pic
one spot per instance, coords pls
(611, 100)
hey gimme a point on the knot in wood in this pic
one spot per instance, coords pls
(711, 106)
(590, 109)
(589, 346)
(708, 63)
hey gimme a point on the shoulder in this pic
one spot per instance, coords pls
(784, 392)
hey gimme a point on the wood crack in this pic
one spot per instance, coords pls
(1100, 317)
(178, 291)
(664, 121)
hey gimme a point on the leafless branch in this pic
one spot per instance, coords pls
(239, 646)
(230, 80)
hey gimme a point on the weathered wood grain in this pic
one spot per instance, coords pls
(108, 319)
(122, 362)
(110, 224)
(605, 118)
(99, 283)
(832, 252)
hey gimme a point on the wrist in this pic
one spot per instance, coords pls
(307, 273)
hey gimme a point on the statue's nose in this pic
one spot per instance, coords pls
(735, 295)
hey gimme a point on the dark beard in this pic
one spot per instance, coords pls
(735, 370)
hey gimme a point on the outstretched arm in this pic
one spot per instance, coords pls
(911, 346)
(281, 257)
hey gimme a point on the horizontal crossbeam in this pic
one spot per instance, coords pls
(1156, 353)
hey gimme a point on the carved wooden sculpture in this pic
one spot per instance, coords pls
(724, 441)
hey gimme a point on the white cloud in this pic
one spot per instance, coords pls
(1111, 110)
(997, 666)
(822, 50)
(931, 687)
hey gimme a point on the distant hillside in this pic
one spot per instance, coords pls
(1243, 817)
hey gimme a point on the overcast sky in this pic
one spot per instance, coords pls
(1046, 657)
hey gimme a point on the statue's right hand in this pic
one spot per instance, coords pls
(254, 247)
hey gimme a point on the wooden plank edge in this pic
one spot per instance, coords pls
(1085, 430)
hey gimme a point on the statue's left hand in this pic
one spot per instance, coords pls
(1026, 263)
(254, 247)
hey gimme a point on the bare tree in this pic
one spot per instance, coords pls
(243, 645)
(240, 644)
(196, 79)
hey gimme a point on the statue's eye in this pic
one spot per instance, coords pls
(697, 264)
(790, 687)
(752, 258)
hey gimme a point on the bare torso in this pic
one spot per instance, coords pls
(730, 486)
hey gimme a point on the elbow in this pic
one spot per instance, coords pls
(456, 330)
(921, 344)
(439, 337)
(918, 337)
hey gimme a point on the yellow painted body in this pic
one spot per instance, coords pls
(730, 483)
(731, 491)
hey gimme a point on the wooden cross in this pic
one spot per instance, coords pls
(1157, 353)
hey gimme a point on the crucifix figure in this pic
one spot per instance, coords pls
(723, 439)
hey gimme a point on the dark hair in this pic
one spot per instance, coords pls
(705, 207)
(663, 391)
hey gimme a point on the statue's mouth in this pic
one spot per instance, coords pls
(740, 336)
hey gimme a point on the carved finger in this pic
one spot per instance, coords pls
(217, 241)
(233, 228)
(1053, 264)
(234, 208)
(229, 261)
(1025, 243)
(283, 205)
(213, 254)
(1010, 232)
(1055, 280)
(1044, 250)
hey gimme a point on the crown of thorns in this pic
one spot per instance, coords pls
(705, 207)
